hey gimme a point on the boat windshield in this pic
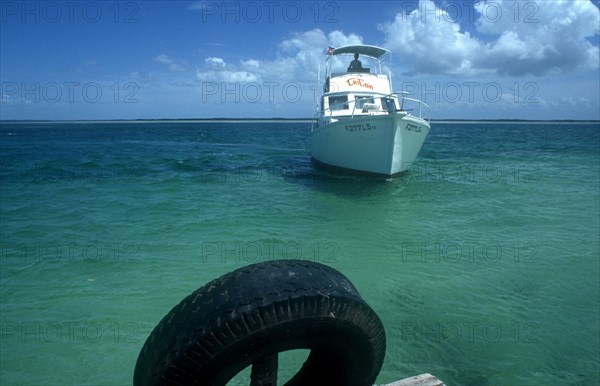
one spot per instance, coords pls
(342, 64)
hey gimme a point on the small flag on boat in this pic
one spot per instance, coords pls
(330, 50)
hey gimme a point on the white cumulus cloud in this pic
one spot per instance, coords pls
(250, 63)
(226, 76)
(164, 59)
(297, 60)
(172, 64)
(217, 62)
(514, 38)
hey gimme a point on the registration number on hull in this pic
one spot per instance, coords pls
(411, 127)
(361, 127)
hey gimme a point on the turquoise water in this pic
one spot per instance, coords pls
(482, 261)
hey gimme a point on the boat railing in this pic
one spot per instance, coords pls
(411, 106)
(414, 106)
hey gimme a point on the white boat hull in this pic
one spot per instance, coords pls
(378, 144)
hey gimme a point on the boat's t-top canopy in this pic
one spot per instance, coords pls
(373, 51)
(338, 61)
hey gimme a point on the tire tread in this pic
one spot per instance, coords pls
(208, 322)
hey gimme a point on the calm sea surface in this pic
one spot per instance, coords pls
(482, 261)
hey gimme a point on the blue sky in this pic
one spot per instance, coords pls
(488, 59)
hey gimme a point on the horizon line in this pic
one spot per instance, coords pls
(222, 119)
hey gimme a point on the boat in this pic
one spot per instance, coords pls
(363, 125)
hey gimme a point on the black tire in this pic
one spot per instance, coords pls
(260, 310)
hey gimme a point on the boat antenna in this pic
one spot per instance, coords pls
(317, 86)
(390, 72)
